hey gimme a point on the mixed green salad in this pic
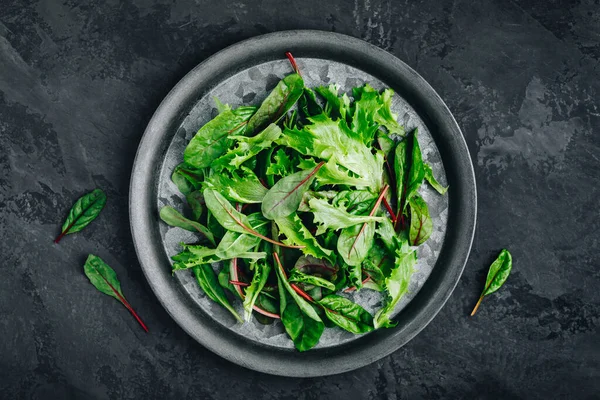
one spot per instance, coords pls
(310, 196)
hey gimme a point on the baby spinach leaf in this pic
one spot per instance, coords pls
(214, 138)
(432, 181)
(497, 275)
(346, 314)
(333, 218)
(278, 102)
(196, 202)
(261, 274)
(187, 179)
(210, 285)
(308, 105)
(298, 235)
(104, 278)
(173, 218)
(231, 219)
(242, 185)
(246, 148)
(284, 197)
(408, 165)
(301, 321)
(84, 211)
(397, 284)
(421, 224)
(300, 277)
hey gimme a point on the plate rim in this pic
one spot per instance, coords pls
(143, 213)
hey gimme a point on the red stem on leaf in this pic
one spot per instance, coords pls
(375, 207)
(123, 301)
(353, 288)
(389, 209)
(302, 182)
(237, 285)
(293, 62)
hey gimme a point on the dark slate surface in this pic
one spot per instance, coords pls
(79, 81)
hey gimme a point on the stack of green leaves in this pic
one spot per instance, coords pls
(301, 200)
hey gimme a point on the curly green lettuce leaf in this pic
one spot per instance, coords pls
(297, 234)
(329, 217)
(241, 185)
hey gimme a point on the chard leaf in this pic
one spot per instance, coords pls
(187, 179)
(246, 148)
(241, 186)
(325, 138)
(300, 277)
(104, 278)
(346, 314)
(301, 321)
(397, 284)
(231, 219)
(297, 234)
(408, 165)
(497, 275)
(331, 217)
(210, 285)
(354, 243)
(214, 138)
(278, 102)
(432, 181)
(173, 218)
(285, 196)
(421, 224)
(261, 273)
(84, 211)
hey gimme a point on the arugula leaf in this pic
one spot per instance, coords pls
(325, 138)
(299, 277)
(84, 211)
(331, 217)
(397, 283)
(432, 181)
(242, 185)
(172, 217)
(497, 275)
(421, 224)
(214, 138)
(187, 178)
(210, 285)
(301, 321)
(284, 197)
(261, 274)
(408, 164)
(297, 234)
(346, 314)
(278, 102)
(104, 278)
(246, 148)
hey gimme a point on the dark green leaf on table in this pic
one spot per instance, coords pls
(497, 275)
(84, 211)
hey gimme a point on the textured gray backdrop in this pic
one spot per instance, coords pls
(79, 80)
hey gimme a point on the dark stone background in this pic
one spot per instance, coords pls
(79, 81)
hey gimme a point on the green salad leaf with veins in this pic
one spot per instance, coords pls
(297, 202)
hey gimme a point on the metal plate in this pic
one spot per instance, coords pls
(244, 74)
